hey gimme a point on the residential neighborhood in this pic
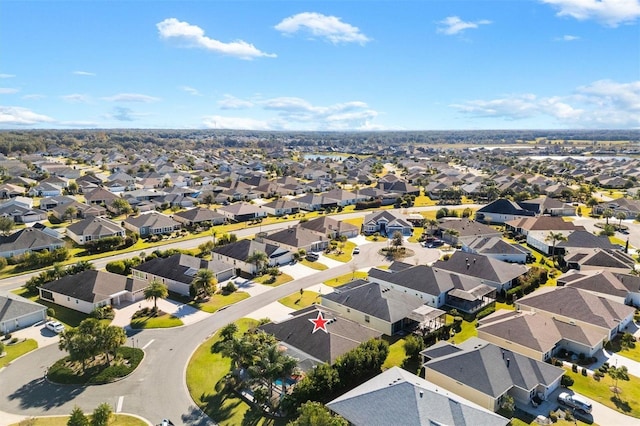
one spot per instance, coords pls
(467, 290)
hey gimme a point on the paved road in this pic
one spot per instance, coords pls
(157, 388)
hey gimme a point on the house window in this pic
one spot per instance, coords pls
(367, 319)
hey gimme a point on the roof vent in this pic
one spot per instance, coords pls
(421, 394)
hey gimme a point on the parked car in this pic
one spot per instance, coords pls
(575, 401)
(55, 326)
(356, 250)
(166, 422)
(312, 257)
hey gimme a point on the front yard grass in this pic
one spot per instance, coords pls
(273, 281)
(206, 368)
(117, 420)
(631, 353)
(17, 350)
(162, 321)
(628, 401)
(314, 265)
(297, 301)
(346, 254)
(219, 300)
(343, 279)
(68, 317)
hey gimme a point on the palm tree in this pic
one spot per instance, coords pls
(620, 216)
(156, 290)
(273, 364)
(111, 338)
(70, 212)
(204, 282)
(258, 258)
(555, 237)
(432, 223)
(397, 240)
(607, 213)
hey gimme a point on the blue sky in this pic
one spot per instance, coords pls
(331, 65)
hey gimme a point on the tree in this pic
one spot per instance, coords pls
(273, 364)
(620, 216)
(70, 212)
(72, 188)
(204, 283)
(617, 373)
(554, 237)
(228, 331)
(397, 240)
(111, 338)
(413, 345)
(208, 199)
(101, 415)
(592, 202)
(81, 342)
(607, 213)
(258, 258)
(156, 290)
(432, 224)
(77, 418)
(508, 404)
(120, 205)
(313, 413)
(6, 225)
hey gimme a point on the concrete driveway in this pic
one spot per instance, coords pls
(39, 333)
(187, 314)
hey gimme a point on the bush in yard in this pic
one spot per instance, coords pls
(77, 418)
(574, 368)
(413, 345)
(566, 381)
(230, 287)
(1, 348)
(3, 263)
(51, 312)
(584, 371)
(14, 340)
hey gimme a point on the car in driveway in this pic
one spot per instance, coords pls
(54, 326)
(575, 401)
(356, 250)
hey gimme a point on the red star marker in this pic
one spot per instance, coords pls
(319, 323)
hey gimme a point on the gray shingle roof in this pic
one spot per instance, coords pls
(12, 306)
(242, 249)
(28, 238)
(397, 397)
(493, 370)
(480, 266)
(179, 267)
(91, 285)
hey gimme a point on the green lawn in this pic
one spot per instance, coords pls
(296, 301)
(631, 353)
(218, 301)
(343, 279)
(273, 281)
(628, 402)
(205, 369)
(355, 221)
(67, 316)
(396, 355)
(162, 321)
(345, 256)
(314, 265)
(17, 350)
(423, 200)
(118, 420)
(468, 330)
(417, 233)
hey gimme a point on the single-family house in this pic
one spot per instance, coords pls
(596, 258)
(152, 223)
(80, 210)
(20, 213)
(100, 196)
(296, 334)
(93, 229)
(454, 230)
(236, 255)
(92, 289)
(280, 207)
(330, 227)
(496, 248)
(314, 202)
(485, 373)
(548, 206)
(379, 307)
(242, 212)
(296, 238)
(386, 223)
(629, 207)
(28, 240)
(398, 397)
(45, 189)
(178, 271)
(502, 210)
(8, 190)
(198, 215)
(619, 287)
(17, 312)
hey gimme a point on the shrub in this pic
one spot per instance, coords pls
(3, 263)
(7, 336)
(51, 312)
(230, 287)
(574, 368)
(14, 340)
(584, 371)
(486, 312)
(553, 417)
(1, 348)
(566, 381)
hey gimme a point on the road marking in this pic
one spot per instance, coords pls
(147, 345)
(119, 405)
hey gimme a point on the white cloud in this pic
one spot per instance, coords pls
(131, 97)
(244, 123)
(328, 27)
(34, 96)
(79, 124)
(8, 90)
(608, 12)
(84, 73)
(11, 115)
(76, 98)
(7, 75)
(453, 25)
(190, 90)
(231, 102)
(567, 37)
(193, 36)
(601, 104)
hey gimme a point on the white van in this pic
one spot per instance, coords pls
(575, 401)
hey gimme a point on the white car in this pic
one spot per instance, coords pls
(356, 250)
(55, 326)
